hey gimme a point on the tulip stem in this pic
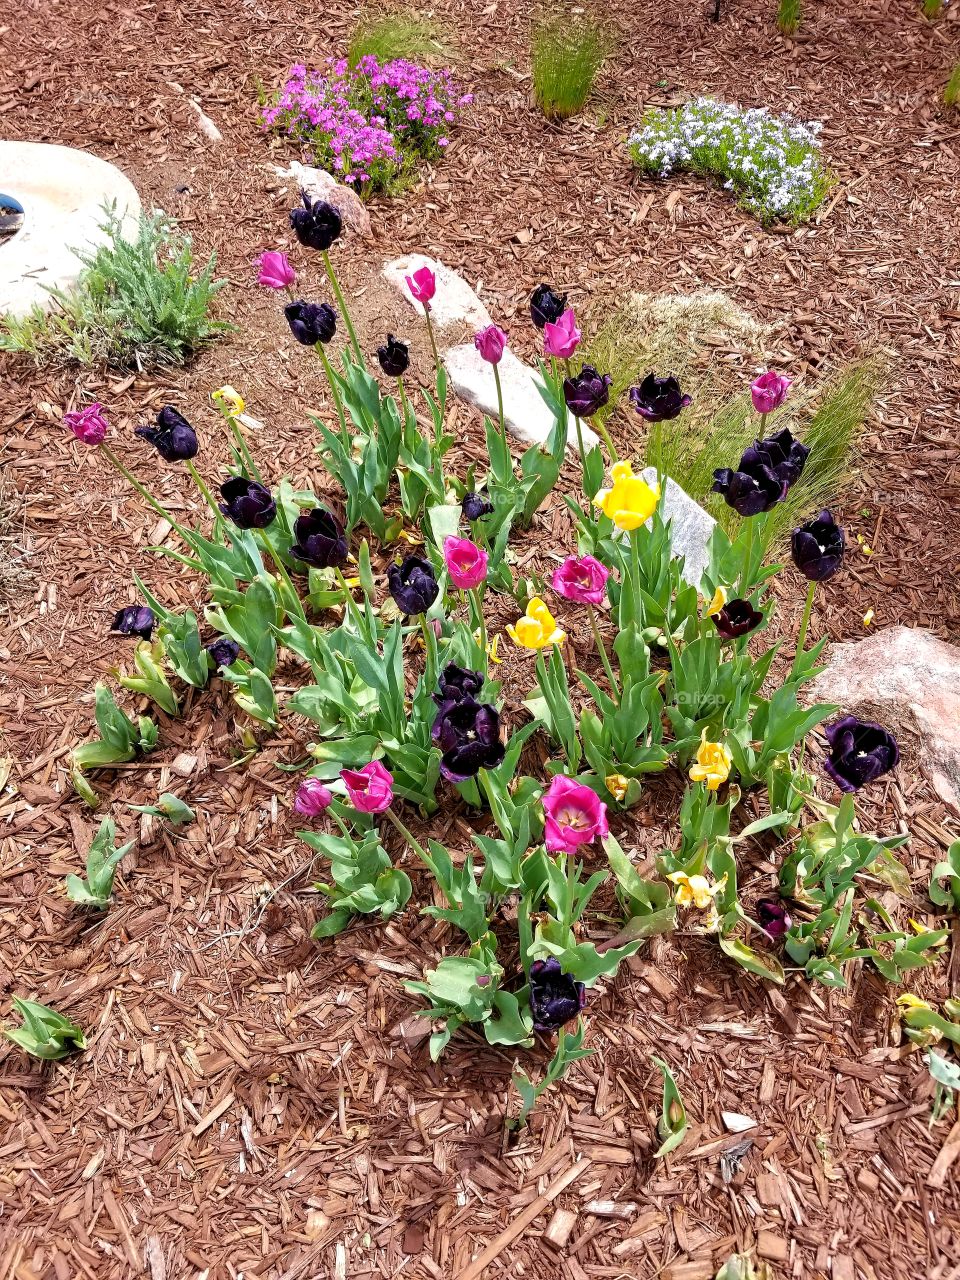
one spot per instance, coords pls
(338, 294)
(199, 482)
(144, 493)
(430, 334)
(412, 841)
(245, 454)
(746, 577)
(335, 390)
(763, 425)
(583, 455)
(605, 436)
(476, 609)
(503, 425)
(602, 650)
(404, 403)
(430, 648)
(804, 626)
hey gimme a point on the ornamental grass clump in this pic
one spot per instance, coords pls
(788, 17)
(951, 95)
(566, 53)
(396, 35)
(368, 125)
(772, 163)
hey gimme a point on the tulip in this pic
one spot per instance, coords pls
(736, 618)
(173, 437)
(475, 508)
(752, 491)
(546, 307)
(276, 271)
(860, 752)
(659, 399)
(456, 684)
(555, 997)
(573, 815)
(370, 789)
(586, 392)
(693, 891)
(311, 322)
(780, 453)
(537, 629)
(466, 563)
(422, 285)
(89, 425)
(413, 585)
(582, 579)
(319, 540)
(223, 651)
(247, 503)
(468, 734)
(817, 548)
(232, 401)
(394, 357)
(712, 765)
(135, 620)
(769, 391)
(317, 224)
(491, 342)
(617, 785)
(312, 798)
(773, 918)
(562, 337)
(630, 501)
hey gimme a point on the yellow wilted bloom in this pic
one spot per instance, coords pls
(617, 785)
(910, 1001)
(694, 891)
(537, 629)
(230, 399)
(868, 617)
(717, 603)
(630, 501)
(491, 649)
(713, 763)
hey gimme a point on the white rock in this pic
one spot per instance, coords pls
(525, 411)
(691, 528)
(320, 185)
(62, 192)
(736, 1122)
(455, 305)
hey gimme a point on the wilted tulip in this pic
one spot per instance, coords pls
(173, 437)
(860, 752)
(311, 322)
(659, 399)
(555, 997)
(546, 307)
(135, 620)
(276, 271)
(413, 585)
(248, 503)
(562, 337)
(773, 918)
(224, 651)
(394, 357)
(491, 342)
(468, 734)
(320, 540)
(475, 508)
(586, 392)
(89, 425)
(818, 547)
(769, 391)
(317, 224)
(736, 618)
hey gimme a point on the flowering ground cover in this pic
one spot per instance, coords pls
(271, 1091)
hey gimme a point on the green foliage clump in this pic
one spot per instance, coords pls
(788, 16)
(951, 95)
(397, 35)
(566, 53)
(137, 302)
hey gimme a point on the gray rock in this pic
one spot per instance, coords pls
(691, 528)
(908, 681)
(455, 305)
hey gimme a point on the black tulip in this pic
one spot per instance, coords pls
(780, 453)
(546, 307)
(457, 683)
(247, 503)
(224, 652)
(135, 620)
(413, 585)
(773, 918)
(394, 357)
(586, 392)
(173, 437)
(817, 548)
(311, 322)
(860, 752)
(316, 224)
(659, 399)
(468, 734)
(475, 507)
(555, 998)
(736, 618)
(319, 540)
(749, 492)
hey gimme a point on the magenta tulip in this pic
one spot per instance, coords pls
(574, 815)
(370, 789)
(89, 425)
(423, 285)
(581, 578)
(491, 342)
(276, 271)
(466, 563)
(769, 391)
(312, 797)
(563, 338)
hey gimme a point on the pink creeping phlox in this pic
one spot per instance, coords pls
(89, 425)
(370, 789)
(582, 579)
(574, 815)
(563, 338)
(466, 563)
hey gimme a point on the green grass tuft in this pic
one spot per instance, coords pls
(566, 52)
(788, 17)
(951, 95)
(397, 35)
(932, 8)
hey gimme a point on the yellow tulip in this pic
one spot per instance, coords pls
(717, 603)
(231, 399)
(617, 785)
(537, 629)
(630, 501)
(694, 891)
(713, 763)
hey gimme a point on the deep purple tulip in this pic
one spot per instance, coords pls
(475, 507)
(773, 918)
(247, 503)
(817, 548)
(320, 540)
(413, 585)
(736, 618)
(135, 620)
(173, 437)
(224, 652)
(555, 997)
(659, 399)
(586, 392)
(784, 456)
(456, 684)
(860, 752)
(546, 307)
(468, 734)
(394, 357)
(311, 322)
(317, 224)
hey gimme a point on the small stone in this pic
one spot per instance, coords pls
(737, 1123)
(691, 529)
(455, 304)
(320, 185)
(184, 765)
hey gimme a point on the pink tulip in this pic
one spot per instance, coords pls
(491, 342)
(563, 338)
(574, 815)
(370, 789)
(276, 271)
(422, 285)
(312, 797)
(466, 563)
(769, 391)
(581, 578)
(89, 425)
